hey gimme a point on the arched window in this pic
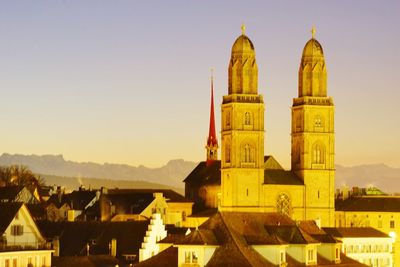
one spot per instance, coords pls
(318, 154)
(283, 204)
(227, 153)
(246, 153)
(228, 119)
(318, 122)
(247, 118)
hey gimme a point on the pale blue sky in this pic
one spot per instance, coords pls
(128, 81)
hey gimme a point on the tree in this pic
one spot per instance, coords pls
(20, 175)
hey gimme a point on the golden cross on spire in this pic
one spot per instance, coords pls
(243, 27)
(313, 32)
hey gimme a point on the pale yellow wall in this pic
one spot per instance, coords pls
(371, 251)
(39, 258)
(272, 253)
(204, 254)
(312, 127)
(31, 235)
(378, 220)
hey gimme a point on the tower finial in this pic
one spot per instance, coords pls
(313, 32)
(212, 75)
(212, 142)
(243, 27)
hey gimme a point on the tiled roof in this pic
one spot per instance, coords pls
(77, 200)
(311, 228)
(205, 174)
(274, 176)
(236, 232)
(211, 174)
(369, 203)
(199, 237)
(74, 236)
(9, 193)
(166, 258)
(7, 214)
(169, 194)
(87, 261)
(354, 232)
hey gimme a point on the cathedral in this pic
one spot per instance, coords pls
(244, 179)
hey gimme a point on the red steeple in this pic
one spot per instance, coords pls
(212, 142)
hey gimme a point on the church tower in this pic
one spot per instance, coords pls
(242, 135)
(313, 140)
(212, 142)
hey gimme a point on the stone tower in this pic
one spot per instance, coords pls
(242, 134)
(313, 140)
(212, 142)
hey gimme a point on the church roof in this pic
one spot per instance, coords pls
(369, 203)
(285, 177)
(274, 173)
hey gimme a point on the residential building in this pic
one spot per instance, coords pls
(21, 242)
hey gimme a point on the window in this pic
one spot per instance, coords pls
(337, 253)
(17, 230)
(15, 263)
(187, 257)
(191, 257)
(318, 154)
(227, 154)
(283, 204)
(283, 257)
(311, 255)
(195, 257)
(247, 118)
(247, 153)
(7, 263)
(391, 224)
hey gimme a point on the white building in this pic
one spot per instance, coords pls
(21, 243)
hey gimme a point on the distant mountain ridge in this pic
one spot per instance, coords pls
(172, 174)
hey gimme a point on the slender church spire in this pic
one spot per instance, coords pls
(212, 142)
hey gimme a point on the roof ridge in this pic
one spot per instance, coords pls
(235, 241)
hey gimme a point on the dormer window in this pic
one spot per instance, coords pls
(191, 257)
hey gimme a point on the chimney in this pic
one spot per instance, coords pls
(56, 246)
(113, 250)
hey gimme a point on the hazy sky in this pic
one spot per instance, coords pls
(128, 81)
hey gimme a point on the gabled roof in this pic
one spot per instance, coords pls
(170, 195)
(369, 203)
(7, 213)
(166, 258)
(9, 193)
(199, 237)
(276, 176)
(355, 232)
(87, 261)
(77, 200)
(204, 174)
(74, 236)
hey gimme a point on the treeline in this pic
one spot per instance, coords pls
(20, 176)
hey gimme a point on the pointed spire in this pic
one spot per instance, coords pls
(212, 142)
(313, 32)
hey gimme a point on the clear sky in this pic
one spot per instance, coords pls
(128, 81)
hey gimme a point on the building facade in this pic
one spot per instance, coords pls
(246, 180)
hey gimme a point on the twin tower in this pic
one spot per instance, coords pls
(251, 181)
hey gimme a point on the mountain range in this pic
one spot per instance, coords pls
(54, 168)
